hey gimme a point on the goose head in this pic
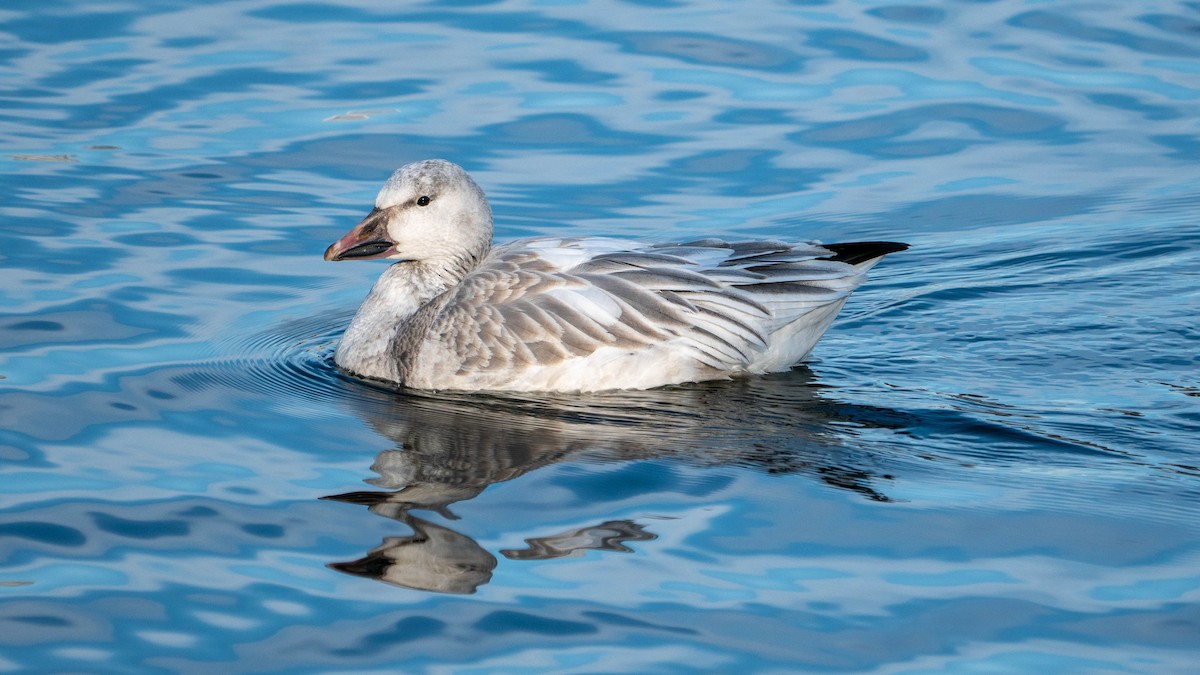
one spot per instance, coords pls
(429, 211)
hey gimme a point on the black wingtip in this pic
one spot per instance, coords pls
(857, 252)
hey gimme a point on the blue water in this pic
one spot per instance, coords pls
(990, 465)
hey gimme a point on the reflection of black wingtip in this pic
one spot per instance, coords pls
(857, 252)
(855, 480)
(364, 498)
(607, 536)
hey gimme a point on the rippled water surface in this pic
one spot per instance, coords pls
(989, 465)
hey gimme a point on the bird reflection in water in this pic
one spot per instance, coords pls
(450, 448)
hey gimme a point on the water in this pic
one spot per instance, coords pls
(990, 464)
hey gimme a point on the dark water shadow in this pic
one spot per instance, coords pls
(449, 448)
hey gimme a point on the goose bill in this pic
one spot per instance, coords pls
(365, 241)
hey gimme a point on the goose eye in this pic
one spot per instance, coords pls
(422, 201)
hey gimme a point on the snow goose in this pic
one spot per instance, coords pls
(575, 314)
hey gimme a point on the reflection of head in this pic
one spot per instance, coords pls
(432, 559)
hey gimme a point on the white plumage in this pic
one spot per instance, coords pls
(581, 314)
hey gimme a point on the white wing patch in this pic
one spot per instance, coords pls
(590, 301)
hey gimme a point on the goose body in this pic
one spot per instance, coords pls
(575, 314)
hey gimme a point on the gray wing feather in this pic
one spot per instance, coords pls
(719, 301)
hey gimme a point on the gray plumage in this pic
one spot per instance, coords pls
(576, 314)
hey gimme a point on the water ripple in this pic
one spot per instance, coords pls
(291, 361)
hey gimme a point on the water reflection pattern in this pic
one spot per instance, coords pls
(450, 448)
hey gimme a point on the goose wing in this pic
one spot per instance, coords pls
(542, 302)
